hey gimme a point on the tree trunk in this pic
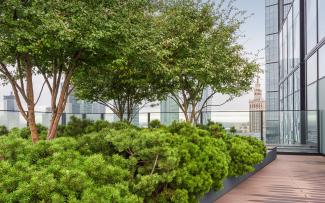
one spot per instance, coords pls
(30, 101)
(32, 124)
(58, 110)
(54, 126)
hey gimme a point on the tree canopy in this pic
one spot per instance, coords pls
(55, 39)
(201, 41)
(132, 73)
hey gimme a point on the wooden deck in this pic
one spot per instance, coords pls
(289, 179)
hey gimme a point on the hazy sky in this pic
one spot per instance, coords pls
(254, 41)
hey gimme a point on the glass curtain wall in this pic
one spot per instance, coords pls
(272, 70)
(291, 67)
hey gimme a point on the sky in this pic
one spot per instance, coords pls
(253, 41)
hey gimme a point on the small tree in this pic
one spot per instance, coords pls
(53, 39)
(233, 130)
(132, 74)
(203, 52)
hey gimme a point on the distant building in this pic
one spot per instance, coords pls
(85, 107)
(46, 117)
(9, 103)
(72, 106)
(10, 119)
(135, 119)
(98, 108)
(169, 111)
(206, 111)
(256, 105)
(75, 106)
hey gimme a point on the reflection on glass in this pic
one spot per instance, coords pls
(321, 68)
(321, 19)
(312, 96)
(311, 24)
(312, 127)
(312, 69)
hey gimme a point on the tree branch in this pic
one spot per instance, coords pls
(154, 165)
(39, 96)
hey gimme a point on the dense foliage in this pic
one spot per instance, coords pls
(3, 130)
(203, 52)
(122, 163)
(132, 73)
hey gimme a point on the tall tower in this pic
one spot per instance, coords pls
(256, 105)
(10, 117)
(9, 103)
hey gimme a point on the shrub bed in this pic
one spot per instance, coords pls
(121, 163)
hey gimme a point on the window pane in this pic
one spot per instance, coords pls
(311, 24)
(321, 19)
(290, 41)
(271, 44)
(296, 41)
(285, 88)
(312, 127)
(271, 76)
(281, 91)
(281, 55)
(270, 2)
(271, 19)
(297, 101)
(312, 97)
(297, 80)
(322, 94)
(285, 48)
(290, 84)
(321, 62)
(322, 109)
(312, 69)
(290, 102)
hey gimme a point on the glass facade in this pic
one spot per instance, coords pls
(272, 70)
(300, 82)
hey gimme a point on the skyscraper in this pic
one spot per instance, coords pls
(298, 27)
(11, 116)
(272, 70)
(9, 103)
(98, 108)
(72, 106)
(46, 117)
(256, 105)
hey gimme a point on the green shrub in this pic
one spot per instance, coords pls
(97, 126)
(121, 125)
(186, 166)
(154, 124)
(122, 163)
(186, 129)
(77, 127)
(216, 130)
(26, 134)
(3, 130)
(245, 152)
(56, 172)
